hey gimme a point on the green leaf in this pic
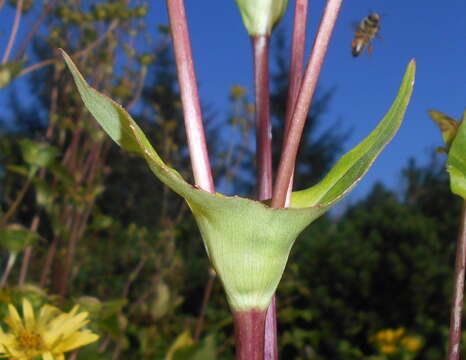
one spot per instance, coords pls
(9, 71)
(205, 350)
(353, 165)
(182, 341)
(38, 154)
(15, 238)
(248, 242)
(447, 126)
(456, 164)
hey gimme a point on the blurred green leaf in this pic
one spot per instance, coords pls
(15, 238)
(38, 154)
(9, 71)
(205, 350)
(184, 340)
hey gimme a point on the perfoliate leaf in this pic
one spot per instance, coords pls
(248, 242)
(447, 126)
(456, 164)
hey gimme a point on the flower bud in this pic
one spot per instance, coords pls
(260, 16)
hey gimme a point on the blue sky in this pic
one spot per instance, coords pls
(433, 32)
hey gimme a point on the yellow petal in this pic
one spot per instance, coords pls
(13, 319)
(47, 356)
(78, 339)
(28, 314)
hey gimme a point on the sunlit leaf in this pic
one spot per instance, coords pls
(456, 164)
(354, 164)
(447, 126)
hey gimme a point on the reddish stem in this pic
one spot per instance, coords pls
(260, 46)
(271, 337)
(309, 83)
(297, 58)
(14, 32)
(205, 302)
(249, 334)
(296, 72)
(458, 292)
(190, 96)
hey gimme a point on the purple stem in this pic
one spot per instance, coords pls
(271, 337)
(309, 83)
(454, 338)
(190, 96)
(260, 46)
(249, 334)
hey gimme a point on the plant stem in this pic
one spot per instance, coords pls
(27, 253)
(190, 96)
(309, 83)
(9, 266)
(296, 72)
(298, 43)
(24, 44)
(205, 302)
(458, 292)
(249, 334)
(271, 336)
(12, 209)
(14, 31)
(260, 46)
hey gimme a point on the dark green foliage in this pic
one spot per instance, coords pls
(386, 263)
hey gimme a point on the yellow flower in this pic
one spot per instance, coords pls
(411, 343)
(50, 335)
(388, 348)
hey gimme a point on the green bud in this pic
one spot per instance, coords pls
(260, 16)
(448, 127)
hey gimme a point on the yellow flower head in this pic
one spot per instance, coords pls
(49, 335)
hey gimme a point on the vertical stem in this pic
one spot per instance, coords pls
(271, 336)
(14, 31)
(297, 58)
(9, 266)
(24, 44)
(260, 46)
(296, 71)
(458, 292)
(190, 96)
(192, 112)
(249, 334)
(27, 253)
(205, 302)
(263, 130)
(309, 83)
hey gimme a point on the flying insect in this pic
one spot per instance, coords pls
(366, 30)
